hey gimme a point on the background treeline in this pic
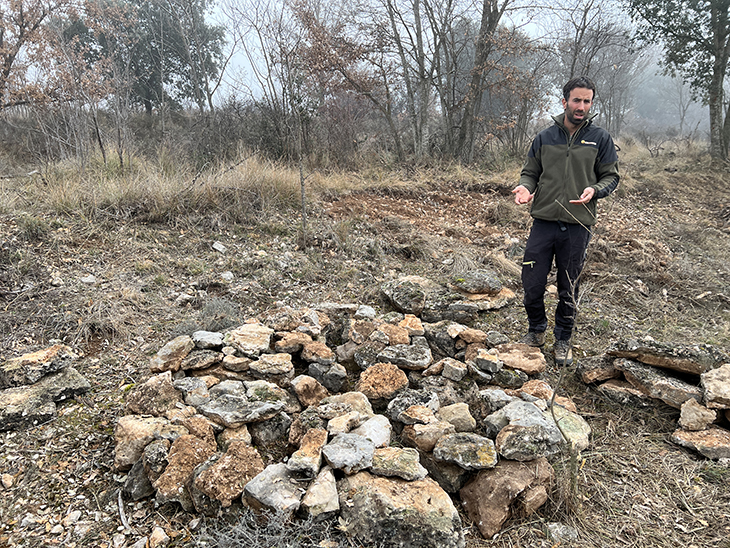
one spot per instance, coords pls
(345, 83)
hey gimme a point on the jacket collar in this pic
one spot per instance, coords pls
(560, 121)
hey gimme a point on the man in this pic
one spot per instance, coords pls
(569, 167)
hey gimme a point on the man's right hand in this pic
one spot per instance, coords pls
(522, 195)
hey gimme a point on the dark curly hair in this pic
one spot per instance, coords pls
(579, 82)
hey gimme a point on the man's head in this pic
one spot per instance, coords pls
(577, 100)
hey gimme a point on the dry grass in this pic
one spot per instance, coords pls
(657, 266)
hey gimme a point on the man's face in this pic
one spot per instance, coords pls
(577, 106)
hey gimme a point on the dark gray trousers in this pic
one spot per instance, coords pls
(565, 243)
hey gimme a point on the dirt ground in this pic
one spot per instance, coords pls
(657, 266)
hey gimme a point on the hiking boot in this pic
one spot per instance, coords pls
(533, 338)
(563, 352)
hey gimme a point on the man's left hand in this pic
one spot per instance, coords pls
(586, 197)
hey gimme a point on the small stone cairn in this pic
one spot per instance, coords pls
(692, 378)
(378, 419)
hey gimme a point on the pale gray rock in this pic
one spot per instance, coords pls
(694, 416)
(657, 384)
(395, 512)
(349, 453)
(32, 367)
(574, 427)
(201, 359)
(685, 358)
(357, 401)
(344, 423)
(523, 414)
(398, 462)
(132, 433)
(208, 339)
(468, 450)
(458, 414)
(453, 369)
(526, 443)
(487, 361)
(478, 281)
(29, 405)
(716, 384)
(561, 534)
(170, 356)
(228, 387)
(364, 312)
(407, 356)
(321, 499)
(275, 489)
(495, 338)
(425, 436)
(234, 411)
(264, 391)
(377, 429)
(405, 295)
(154, 458)
(194, 390)
(272, 366)
(251, 339)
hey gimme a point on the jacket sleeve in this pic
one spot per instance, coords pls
(532, 168)
(606, 168)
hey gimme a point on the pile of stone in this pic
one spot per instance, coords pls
(379, 419)
(692, 378)
(32, 384)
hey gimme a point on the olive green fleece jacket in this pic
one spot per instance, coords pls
(559, 167)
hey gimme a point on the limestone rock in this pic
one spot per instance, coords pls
(623, 392)
(307, 460)
(321, 498)
(453, 369)
(251, 339)
(394, 512)
(573, 426)
(349, 453)
(522, 357)
(377, 429)
(275, 489)
(356, 400)
(407, 356)
(194, 390)
(479, 282)
(317, 352)
(657, 384)
(332, 376)
(343, 424)
(593, 369)
(207, 339)
(155, 397)
(137, 485)
(493, 496)
(132, 433)
(398, 462)
(186, 453)
(272, 366)
(271, 431)
(382, 381)
(425, 436)
(30, 368)
(458, 414)
(470, 451)
(230, 435)
(713, 443)
(225, 479)
(695, 359)
(695, 416)
(406, 295)
(413, 325)
(170, 356)
(292, 342)
(716, 384)
(234, 411)
(27, 405)
(408, 398)
(201, 359)
(396, 334)
(309, 390)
